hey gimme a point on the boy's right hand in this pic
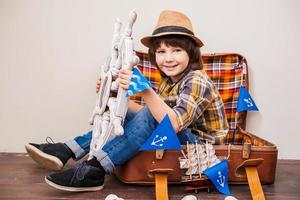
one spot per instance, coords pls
(98, 82)
(125, 78)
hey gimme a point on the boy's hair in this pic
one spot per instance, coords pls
(184, 42)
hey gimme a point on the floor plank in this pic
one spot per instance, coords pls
(21, 178)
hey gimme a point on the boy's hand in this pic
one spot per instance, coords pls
(98, 82)
(124, 78)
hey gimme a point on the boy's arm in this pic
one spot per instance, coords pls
(159, 108)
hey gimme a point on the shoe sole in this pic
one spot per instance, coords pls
(43, 159)
(74, 189)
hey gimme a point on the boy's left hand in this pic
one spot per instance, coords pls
(124, 78)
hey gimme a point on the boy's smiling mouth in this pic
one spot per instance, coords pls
(171, 66)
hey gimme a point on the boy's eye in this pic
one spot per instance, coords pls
(160, 51)
(178, 50)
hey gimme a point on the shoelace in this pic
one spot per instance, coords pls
(51, 141)
(48, 141)
(79, 171)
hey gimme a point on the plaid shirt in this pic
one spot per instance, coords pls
(197, 104)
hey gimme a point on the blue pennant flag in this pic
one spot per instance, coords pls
(163, 137)
(245, 102)
(218, 174)
(138, 83)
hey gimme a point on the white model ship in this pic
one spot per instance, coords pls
(198, 157)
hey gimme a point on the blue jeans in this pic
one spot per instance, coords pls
(137, 129)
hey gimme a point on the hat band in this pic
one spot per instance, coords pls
(178, 29)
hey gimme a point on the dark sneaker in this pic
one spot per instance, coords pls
(81, 178)
(51, 156)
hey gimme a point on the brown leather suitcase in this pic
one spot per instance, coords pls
(240, 146)
(136, 170)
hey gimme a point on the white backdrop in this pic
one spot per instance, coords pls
(51, 50)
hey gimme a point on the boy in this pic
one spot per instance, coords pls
(186, 94)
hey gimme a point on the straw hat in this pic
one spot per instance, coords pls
(172, 23)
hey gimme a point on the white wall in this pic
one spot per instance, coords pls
(51, 50)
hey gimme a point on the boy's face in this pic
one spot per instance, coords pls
(171, 60)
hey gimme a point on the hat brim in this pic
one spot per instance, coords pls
(146, 40)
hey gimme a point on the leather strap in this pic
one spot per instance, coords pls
(257, 192)
(249, 168)
(161, 182)
(161, 186)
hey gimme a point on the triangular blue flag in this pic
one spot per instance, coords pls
(245, 102)
(218, 174)
(138, 83)
(163, 137)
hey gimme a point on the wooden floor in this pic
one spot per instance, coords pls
(21, 178)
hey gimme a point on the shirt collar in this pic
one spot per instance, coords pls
(178, 78)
